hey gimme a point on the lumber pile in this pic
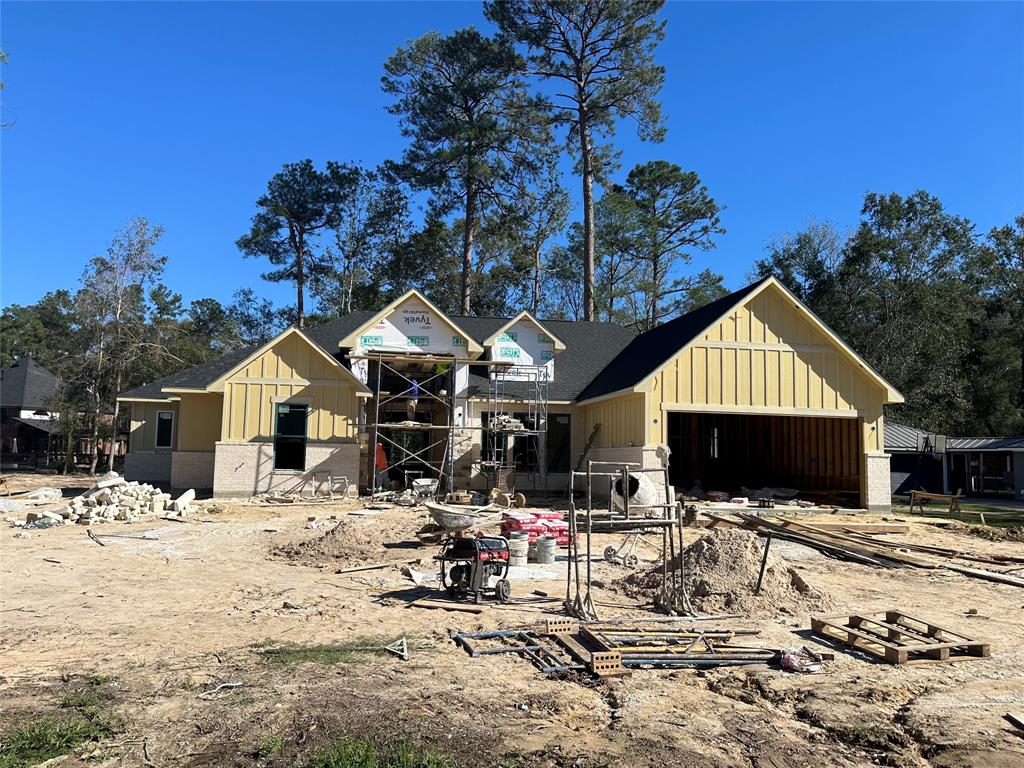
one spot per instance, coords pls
(852, 546)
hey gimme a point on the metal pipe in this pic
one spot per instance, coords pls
(639, 662)
(764, 562)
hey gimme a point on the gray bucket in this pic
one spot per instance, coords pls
(546, 548)
(518, 548)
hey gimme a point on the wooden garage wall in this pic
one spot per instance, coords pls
(766, 358)
(810, 453)
(292, 370)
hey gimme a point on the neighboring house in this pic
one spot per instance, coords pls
(975, 466)
(26, 393)
(30, 433)
(751, 389)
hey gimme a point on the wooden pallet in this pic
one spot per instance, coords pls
(899, 638)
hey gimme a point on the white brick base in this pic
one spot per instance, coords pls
(192, 469)
(877, 483)
(148, 467)
(245, 469)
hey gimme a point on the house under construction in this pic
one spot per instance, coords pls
(751, 389)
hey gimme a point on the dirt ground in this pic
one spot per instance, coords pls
(159, 622)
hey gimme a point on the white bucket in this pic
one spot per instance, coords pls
(518, 548)
(546, 548)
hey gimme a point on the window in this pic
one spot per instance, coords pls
(559, 436)
(525, 456)
(164, 428)
(290, 436)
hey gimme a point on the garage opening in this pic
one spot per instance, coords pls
(818, 456)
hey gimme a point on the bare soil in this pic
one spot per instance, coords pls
(197, 604)
(721, 570)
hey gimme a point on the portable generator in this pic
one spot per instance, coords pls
(468, 565)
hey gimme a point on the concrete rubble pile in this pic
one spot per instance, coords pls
(114, 498)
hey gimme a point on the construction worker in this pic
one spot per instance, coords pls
(380, 465)
(414, 398)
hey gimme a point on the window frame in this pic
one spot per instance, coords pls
(278, 437)
(156, 431)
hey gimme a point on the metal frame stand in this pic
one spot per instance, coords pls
(579, 601)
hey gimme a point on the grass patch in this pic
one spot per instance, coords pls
(40, 741)
(355, 650)
(359, 753)
(86, 700)
(81, 719)
(995, 516)
(270, 746)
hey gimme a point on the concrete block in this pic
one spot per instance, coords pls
(184, 500)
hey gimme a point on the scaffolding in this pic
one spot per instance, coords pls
(513, 425)
(523, 426)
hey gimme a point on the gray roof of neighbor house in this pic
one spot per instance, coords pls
(985, 444)
(590, 346)
(650, 350)
(902, 439)
(26, 384)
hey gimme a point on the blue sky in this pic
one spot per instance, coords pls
(180, 112)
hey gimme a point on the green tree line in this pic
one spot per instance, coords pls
(935, 306)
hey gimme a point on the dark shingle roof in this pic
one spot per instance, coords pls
(196, 377)
(589, 348)
(327, 335)
(655, 347)
(26, 384)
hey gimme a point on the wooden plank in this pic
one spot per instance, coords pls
(441, 605)
(866, 545)
(876, 528)
(980, 573)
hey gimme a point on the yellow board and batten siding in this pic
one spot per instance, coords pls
(290, 371)
(142, 434)
(621, 420)
(764, 357)
(199, 421)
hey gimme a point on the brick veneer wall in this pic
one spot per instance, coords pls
(148, 467)
(878, 482)
(244, 469)
(192, 469)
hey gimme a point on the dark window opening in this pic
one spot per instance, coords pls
(290, 437)
(525, 455)
(559, 436)
(164, 428)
